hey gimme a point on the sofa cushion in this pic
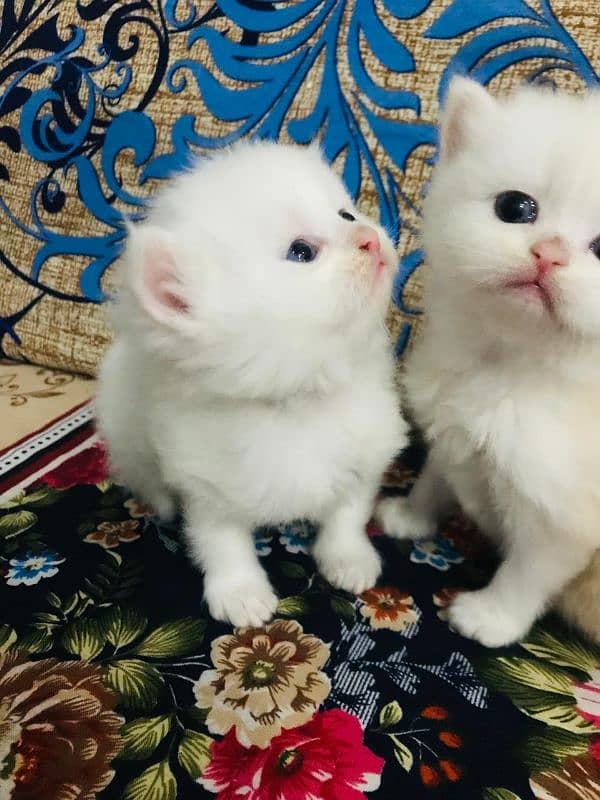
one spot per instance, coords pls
(102, 100)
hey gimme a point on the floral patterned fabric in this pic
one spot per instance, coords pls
(115, 683)
(101, 100)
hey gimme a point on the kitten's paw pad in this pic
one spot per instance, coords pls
(353, 571)
(399, 521)
(245, 603)
(480, 616)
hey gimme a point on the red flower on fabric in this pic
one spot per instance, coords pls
(90, 466)
(325, 758)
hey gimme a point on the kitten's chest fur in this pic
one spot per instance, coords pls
(501, 432)
(278, 461)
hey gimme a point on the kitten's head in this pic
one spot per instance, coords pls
(512, 221)
(256, 267)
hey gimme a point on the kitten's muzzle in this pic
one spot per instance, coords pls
(549, 255)
(367, 240)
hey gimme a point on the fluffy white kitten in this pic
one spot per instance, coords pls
(251, 374)
(505, 379)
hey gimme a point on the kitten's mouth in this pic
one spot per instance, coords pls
(533, 289)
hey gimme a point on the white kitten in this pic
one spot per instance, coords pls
(505, 379)
(251, 375)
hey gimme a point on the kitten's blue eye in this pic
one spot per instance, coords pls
(516, 207)
(346, 215)
(302, 251)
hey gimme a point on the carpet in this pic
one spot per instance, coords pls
(115, 683)
(45, 417)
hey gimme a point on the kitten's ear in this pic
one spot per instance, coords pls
(155, 275)
(466, 102)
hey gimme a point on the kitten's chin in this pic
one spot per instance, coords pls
(500, 311)
(381, 290)
(533, 296)
(382, 276)
(370, 292)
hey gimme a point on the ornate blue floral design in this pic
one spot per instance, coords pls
(485, 55)
(96, 103)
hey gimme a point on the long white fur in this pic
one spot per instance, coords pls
(253, 389)
(508, 394)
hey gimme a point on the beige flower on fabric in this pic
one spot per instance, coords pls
(265, 679)
(138, 510)
(388, 607)
(111, 534)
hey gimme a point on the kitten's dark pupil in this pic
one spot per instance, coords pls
(301, 251)
(516, 207)
(346, 215)
(595, 247)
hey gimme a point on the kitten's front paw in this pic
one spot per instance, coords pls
(244, 601)
(397, 519)
(480, 616)
(353, 570)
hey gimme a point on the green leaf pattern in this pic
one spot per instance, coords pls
(17, 522)
(390, 714)
(123, 625)
(194, 753)
(293, 606)
(173, 639)
(142, 736)
(542, 684)
(138, 684)
(403, 754)
(499, 794)
(155, 783)
(84, 638)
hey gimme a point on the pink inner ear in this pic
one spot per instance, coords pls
(171, 299)
(162, 281)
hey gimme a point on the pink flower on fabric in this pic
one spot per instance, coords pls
(325, 759)
(587, 698)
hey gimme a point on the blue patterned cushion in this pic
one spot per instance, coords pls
(101, 100)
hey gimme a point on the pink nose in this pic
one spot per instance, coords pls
(368, 240)
(550, 254)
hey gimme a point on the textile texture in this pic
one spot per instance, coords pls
(32, 397)
(101, 100)
(115, 683)
(45, 415)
